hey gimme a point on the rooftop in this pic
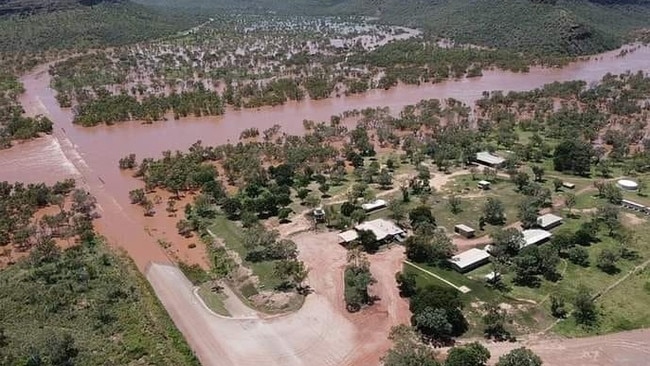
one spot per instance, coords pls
(470, 257)
(535, 236)
(348, 236)
(374, 205)
(464, 228)
(548, 220)
(382, 228)
(486, 157)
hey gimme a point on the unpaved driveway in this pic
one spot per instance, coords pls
(320, 333)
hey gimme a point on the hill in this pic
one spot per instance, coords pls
(84, 24)
(574, 27)
(38, 6)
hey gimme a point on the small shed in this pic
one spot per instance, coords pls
(548, 221)
(470, 259)
(483, 184)
(486, 158)
(568, 185)
(464, 230)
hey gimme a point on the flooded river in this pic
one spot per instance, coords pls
(91, 154)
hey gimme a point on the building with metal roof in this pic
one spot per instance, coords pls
(548, 221)
(470, 259)
(464, 230)
(535, 236)
(486, 158)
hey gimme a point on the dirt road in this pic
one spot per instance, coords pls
(320, 333)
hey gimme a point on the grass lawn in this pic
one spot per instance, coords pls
(233, 236)
(472, 201)
(213, 300)
(524, 317)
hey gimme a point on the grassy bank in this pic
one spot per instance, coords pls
(89, 306)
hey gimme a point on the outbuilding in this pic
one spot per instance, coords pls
(374, 205)
(470, 259)
(548, 221)
(483, 184)
(535, 236)
(628, 185)
(464, 230)
(488, 159)
(568, 185)
(635, 206)
(348, 236)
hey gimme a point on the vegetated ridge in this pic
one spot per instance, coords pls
(573, 27)
(35, 6)
(74, 24)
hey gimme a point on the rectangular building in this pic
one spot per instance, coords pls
(549, 221)
(464, 230)
(470, 259)
(488, 159)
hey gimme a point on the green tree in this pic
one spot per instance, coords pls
(538, 172)
(368, 241)
(507, 242)
(573, 155)
(455, 204)
(558, 308)
(520, 357)
(494, 320)
(584, 307)
(606, 260)
(397, 211)
(471, 354)
(579, 256)
(494, 212)
(421, 215)
(433, 323)
(406, 283)
(407, 349)
(557, 184)
(528, 213)
(385, 179)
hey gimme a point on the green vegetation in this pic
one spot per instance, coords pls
(213, 298)
(13, 126)
(541, 27)
(81, 27)
(82, 305)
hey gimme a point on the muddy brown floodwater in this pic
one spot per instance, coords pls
(91, 154)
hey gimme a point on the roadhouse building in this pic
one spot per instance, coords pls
(383, 229)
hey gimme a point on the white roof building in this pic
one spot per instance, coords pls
(374, 205)
(469, 259)
(348, 236)
(382, 228)
(487, 158)
(535, 236)
(548, 221)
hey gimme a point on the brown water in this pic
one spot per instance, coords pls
(93, 153)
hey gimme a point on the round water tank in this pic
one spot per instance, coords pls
(628, 185)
